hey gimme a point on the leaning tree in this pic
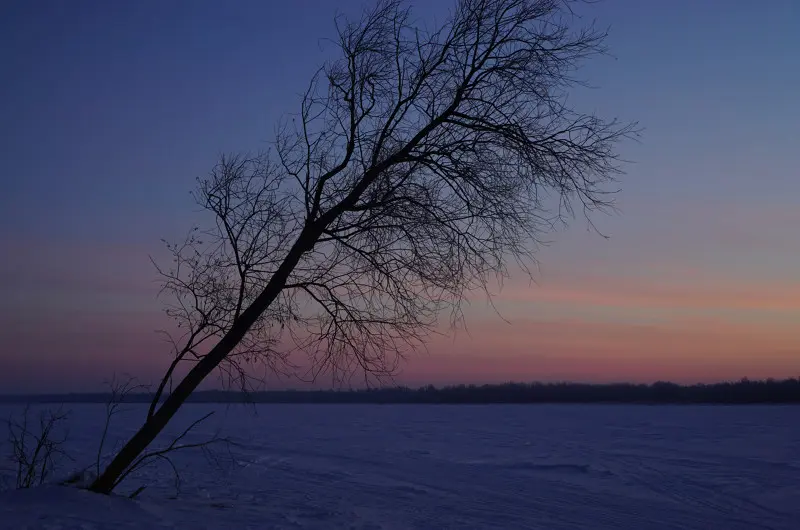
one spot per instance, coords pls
(421, 165)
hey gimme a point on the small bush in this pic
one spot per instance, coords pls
(37, 447)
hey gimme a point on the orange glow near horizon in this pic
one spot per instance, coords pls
(683, 327)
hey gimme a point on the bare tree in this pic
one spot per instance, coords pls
(421, 165)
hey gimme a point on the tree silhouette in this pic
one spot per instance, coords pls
(422, 163)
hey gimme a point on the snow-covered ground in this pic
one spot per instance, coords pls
(398, 466)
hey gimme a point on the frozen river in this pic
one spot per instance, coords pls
(465, 466)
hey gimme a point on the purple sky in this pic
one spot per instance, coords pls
(109, 110)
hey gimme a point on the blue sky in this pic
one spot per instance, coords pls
(109, 110)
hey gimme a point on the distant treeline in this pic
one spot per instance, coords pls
(739, 392)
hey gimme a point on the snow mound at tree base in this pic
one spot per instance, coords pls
(69, 508)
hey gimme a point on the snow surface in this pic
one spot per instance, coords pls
(492, 466)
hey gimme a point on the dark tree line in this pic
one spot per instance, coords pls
(738, 392)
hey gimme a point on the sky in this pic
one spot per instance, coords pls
(110, 110)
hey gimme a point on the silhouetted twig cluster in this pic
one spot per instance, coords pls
(37, 445)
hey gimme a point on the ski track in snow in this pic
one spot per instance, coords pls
(466, 466)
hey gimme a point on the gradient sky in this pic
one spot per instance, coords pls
(109, 110)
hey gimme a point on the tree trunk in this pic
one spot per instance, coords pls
(106, 482)
(110, 477)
